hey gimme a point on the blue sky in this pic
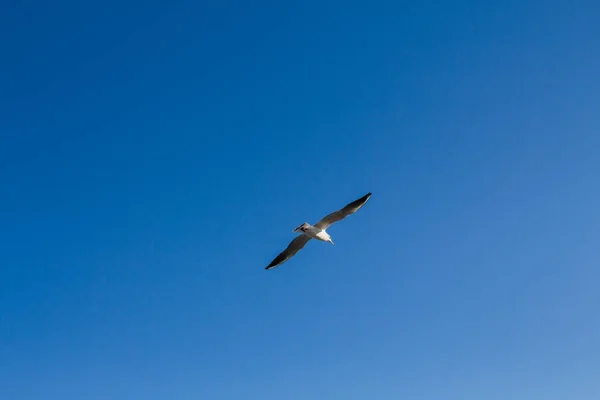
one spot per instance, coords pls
(155, 157)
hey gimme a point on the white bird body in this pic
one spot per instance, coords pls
(314, 232)
(317, 231)
(324, 236)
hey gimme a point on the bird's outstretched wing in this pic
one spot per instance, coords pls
(343, 213)
(292, 249)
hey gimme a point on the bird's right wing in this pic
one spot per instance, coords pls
(292, 249)
(336, 216)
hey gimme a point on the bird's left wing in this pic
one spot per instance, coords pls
(292, 249)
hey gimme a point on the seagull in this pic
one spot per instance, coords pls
(317, 231)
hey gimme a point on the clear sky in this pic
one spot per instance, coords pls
(155, 157)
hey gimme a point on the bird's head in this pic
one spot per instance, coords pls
(301, 228)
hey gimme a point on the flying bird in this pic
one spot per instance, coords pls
(317, 231)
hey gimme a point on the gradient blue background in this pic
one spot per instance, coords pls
(155, 157)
